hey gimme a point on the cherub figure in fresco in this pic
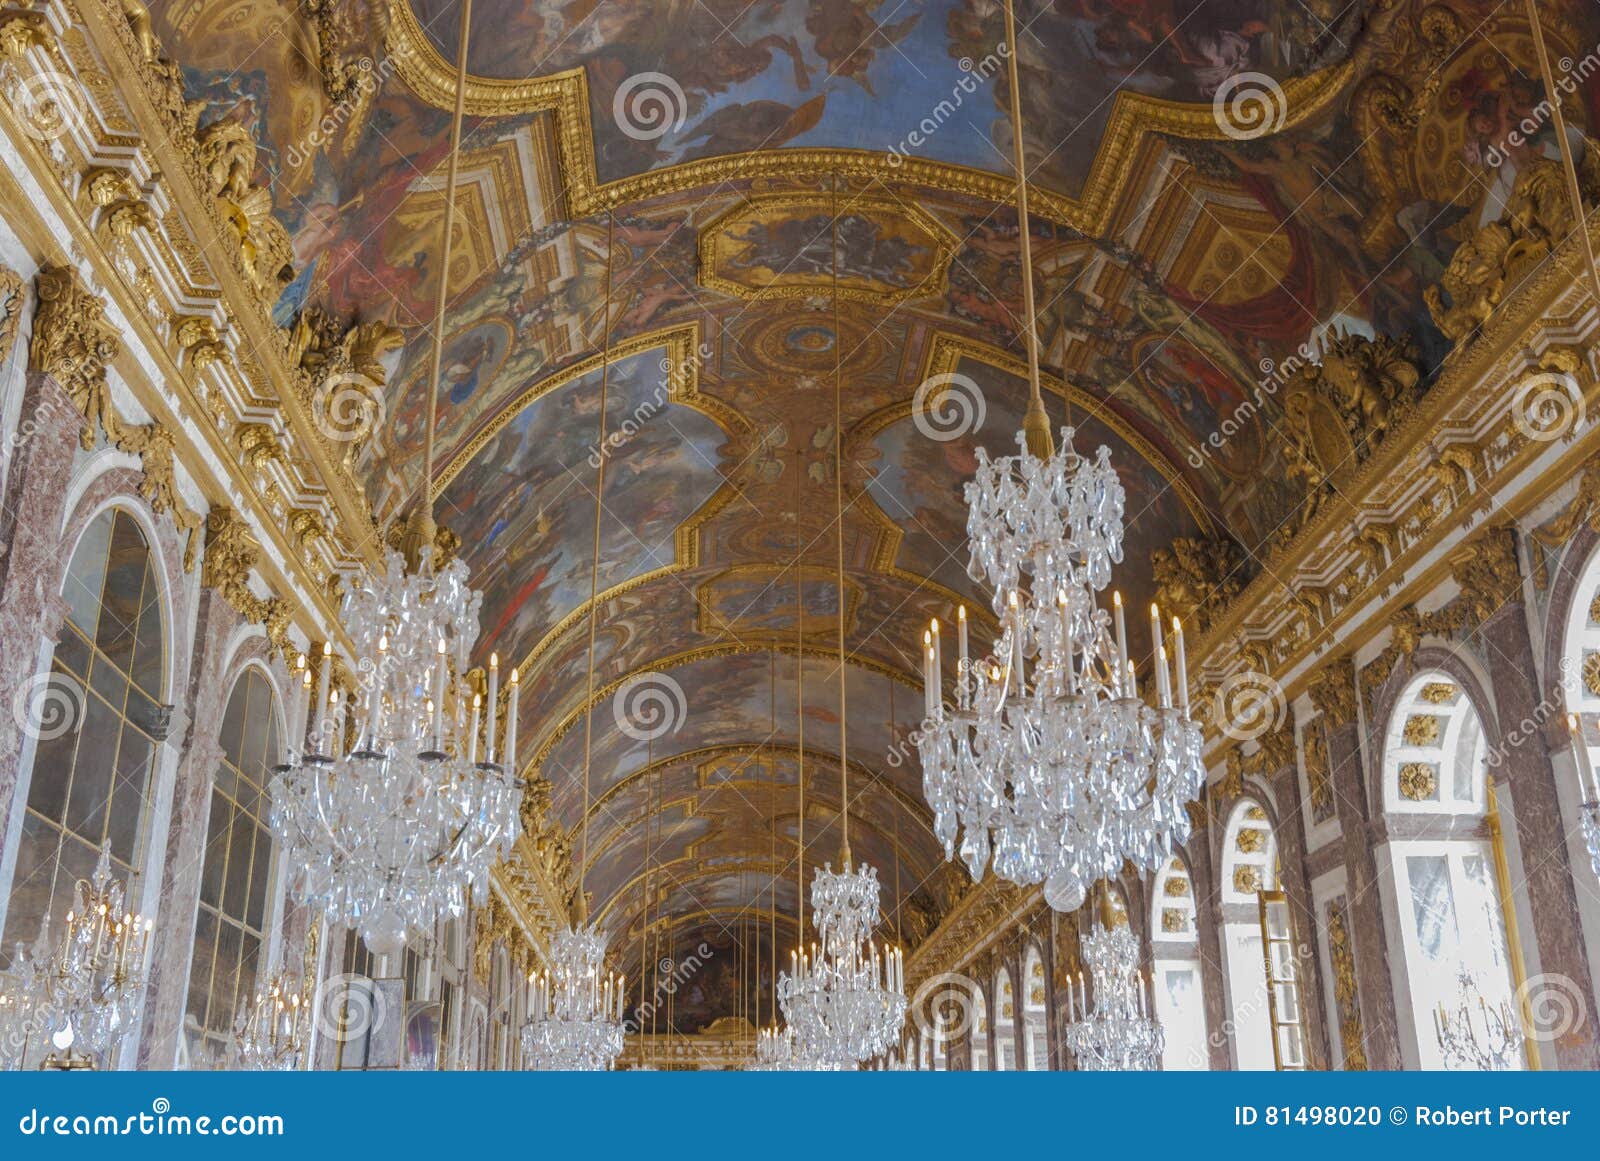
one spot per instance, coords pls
(849, 39)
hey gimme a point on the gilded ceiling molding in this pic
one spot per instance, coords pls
(632, 932)
(1135, 119)
(661, 664)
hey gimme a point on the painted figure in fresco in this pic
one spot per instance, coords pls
(803, 246)
(849, 39)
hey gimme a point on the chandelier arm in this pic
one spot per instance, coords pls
(446, 244)
(1034, 423)
(594, 561)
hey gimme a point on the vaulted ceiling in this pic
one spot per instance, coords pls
(693, 156)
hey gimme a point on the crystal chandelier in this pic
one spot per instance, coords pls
(272, 1032)
(402, 821)
(1476, 1035)
(575, 1007)
(86, 991)
(845, 998)
(1116, 1032)
(1588, 792)
(1046, 759)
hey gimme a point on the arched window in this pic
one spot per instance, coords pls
(235, 877)
(1249, 872)
(1035, 1021)
(978, 1037)
(1005, 1022)
(1448, 870)
(1180, 1005)
(98, 715)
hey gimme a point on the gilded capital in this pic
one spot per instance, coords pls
(1333, 692)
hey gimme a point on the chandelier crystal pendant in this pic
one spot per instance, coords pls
(1046, 761)
(574, 1007)
(1116, 1032)
(1477, 1036)
(403, 820)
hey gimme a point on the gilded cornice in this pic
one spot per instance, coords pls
(1135, 119)
(986, 911)
(1383, 540)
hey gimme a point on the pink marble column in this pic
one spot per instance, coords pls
(34, 505)
(1197, 856)
(1527, 770)
(172, 943)
(1371, 942)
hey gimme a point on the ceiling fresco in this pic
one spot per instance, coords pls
(1181, 264)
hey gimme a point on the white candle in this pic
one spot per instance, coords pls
(472, 733)
(493, 708)
(938, 664)
(964, 668)
(1064, 681)
(1183, 665)
(927, 674)
(1123, 663)
(1133, 681)
(511, 724)
(302, 707)
(1163, 689)
(337, 722)
(322, 691)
